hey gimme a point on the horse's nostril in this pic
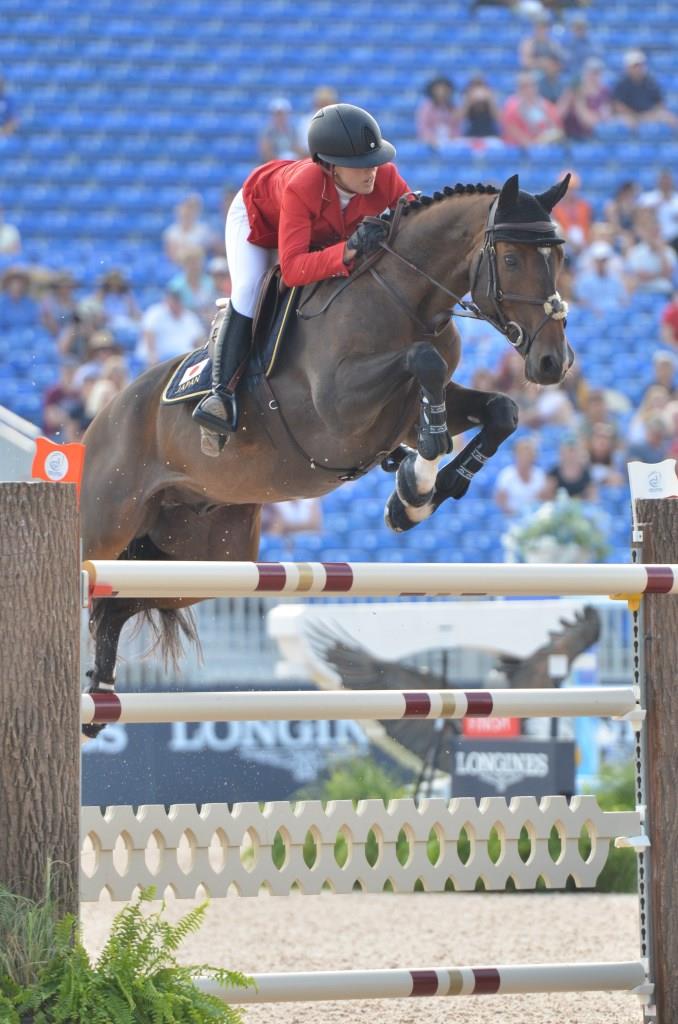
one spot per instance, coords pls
(548, 365)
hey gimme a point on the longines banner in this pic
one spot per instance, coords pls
(210, 762)
(517, 767)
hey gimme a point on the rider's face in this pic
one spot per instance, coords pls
(359, 180)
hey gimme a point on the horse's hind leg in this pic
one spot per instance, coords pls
(108, 617)
(466, 408)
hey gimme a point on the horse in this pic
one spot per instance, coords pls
(364, 379)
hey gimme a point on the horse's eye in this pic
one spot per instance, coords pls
(510, 260)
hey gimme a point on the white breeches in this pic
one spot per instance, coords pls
(247, 263)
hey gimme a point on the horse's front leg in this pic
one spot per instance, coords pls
(466, 408)
(418, 470)
(498, 416)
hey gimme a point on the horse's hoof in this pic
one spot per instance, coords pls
(393, 460)
(406, 484)
(92, 730)
(396, 517)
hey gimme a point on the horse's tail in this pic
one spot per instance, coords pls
(170, 628)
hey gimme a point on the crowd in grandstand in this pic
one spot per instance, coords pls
(564, 90)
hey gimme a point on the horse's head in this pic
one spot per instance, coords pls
(515, 279)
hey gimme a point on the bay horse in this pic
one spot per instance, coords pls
(365, 370)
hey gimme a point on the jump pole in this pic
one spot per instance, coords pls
(128, 578)
(342, 705)
(319, 986)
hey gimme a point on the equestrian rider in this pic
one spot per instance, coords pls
(310, 210)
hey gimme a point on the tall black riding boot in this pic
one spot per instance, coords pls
(218, 411)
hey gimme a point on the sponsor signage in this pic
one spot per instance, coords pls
(496, 727)
(517, 767)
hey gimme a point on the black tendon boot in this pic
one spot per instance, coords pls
(218, 411)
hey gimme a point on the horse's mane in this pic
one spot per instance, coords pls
(448, 192)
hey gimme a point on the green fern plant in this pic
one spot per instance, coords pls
(136, 979)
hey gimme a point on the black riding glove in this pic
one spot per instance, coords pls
(367, 236)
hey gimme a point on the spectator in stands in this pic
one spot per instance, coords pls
(600, 289)
(655, 447)
(438, 117)
(535, 50)
(286, 519)
(278, 141)
(62, 399)
(664, 201)
(650, 263)
(187, 231)
(112, 380)
(168, 329)
(579, 45)
(587, 102)
(58, 305)
(8, 118)
(606, 457)
(664, 367)
(479, 110)
(520, 487)
(529, 119)
(552, 82)
(651, 406)
(595, 410)
(121, 312)
(620, 214)
(73, 339)
(575, 216)
(323, 96)
(637, 95)
(571, 473)
(195, 286)
(669, 322)
(100, 347)
(217, 268)
(17, 307)
(10, 238)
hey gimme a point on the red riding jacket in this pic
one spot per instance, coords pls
(293, 205)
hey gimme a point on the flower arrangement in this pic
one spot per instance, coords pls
(565, 530)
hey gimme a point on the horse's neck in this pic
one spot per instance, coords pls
(442, 241)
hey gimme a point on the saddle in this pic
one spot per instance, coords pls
(273, 315)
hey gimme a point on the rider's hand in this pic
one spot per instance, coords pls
(349, 254)
(367, 236)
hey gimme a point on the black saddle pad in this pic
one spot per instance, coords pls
(193, 376)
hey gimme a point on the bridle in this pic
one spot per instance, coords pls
(555, 307)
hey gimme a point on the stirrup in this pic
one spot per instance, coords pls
(226, 424)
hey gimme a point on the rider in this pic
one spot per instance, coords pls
(310, 210)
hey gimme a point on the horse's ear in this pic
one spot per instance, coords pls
(554, 194)
(509, 192)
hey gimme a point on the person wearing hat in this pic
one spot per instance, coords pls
(279, 140)
(539, 45)
(17, 307)
(637, 95)
(114, 294)
(438, 117)
(310, 211)
(600, 289)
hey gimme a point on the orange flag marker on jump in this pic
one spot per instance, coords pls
(58, 463)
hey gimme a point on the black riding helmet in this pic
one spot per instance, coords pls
(348, 136)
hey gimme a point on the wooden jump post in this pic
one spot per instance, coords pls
(39, 690)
